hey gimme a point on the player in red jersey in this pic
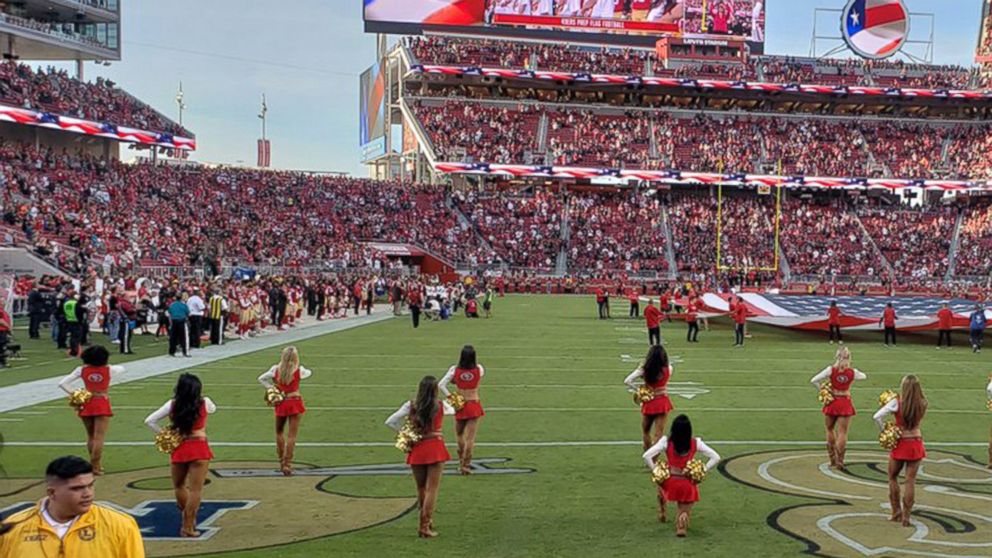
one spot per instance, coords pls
(692, 320)
(679, 447)
(466, 376)
(652, 318)
(187, 413)
(656, 373)
(888, 319)
(945, 321)
(833, 322)
(909, 409)
(96, 375)
(286, 377)
(837, 415)
(428, 456)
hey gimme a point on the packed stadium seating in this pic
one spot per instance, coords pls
(974, 255)
(495, 134)
(52, 90)
(915, 243)
(622, 231)
(824, 239)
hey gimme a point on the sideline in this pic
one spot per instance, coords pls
(35, 392)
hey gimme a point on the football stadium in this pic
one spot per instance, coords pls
(598, 278)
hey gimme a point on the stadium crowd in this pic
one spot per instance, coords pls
(53, 90)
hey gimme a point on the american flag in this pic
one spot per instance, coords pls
(875, 28)
(430, 12)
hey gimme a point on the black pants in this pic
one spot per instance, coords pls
(635, 310)
(693, 332)
(977, 336)
(738, 334)
(62, 334)
(654, 336)
(84, 332)
(835, 333)
(217, 331)
(34, 326)
(179, 337)
(415, 314)
(602, 310)
(358, 303)
(75, 332)
(890, 332)
(4, 339)
(368, 305)
(195, 330)
(124, 334)
(944, 334)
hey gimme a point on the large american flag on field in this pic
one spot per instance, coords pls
(876, 28)
(809, 312)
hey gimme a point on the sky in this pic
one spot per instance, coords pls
(306, 56)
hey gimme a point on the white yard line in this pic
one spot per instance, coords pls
(534, 444)
(41, 391)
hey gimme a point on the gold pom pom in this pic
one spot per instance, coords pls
(695, 470)
(660, 473)
(826, 395)
(886, 396)
(889, 438)
(407, 436)
(456, 400)
(168, 440)
(273, 396)
(989, 405)
(643, 395)
(80, 398)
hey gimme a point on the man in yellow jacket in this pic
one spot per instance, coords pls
(67, 524)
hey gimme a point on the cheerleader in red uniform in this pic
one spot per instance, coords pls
(466, 376)
(657, 372)
(909, 409)
(187, 413)
(96, 414)
(286, 377)
(679, 448)
(429, 455)
(837, 415)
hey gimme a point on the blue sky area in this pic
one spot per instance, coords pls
(306, 55)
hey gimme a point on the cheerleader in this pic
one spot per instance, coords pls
(96, 414)
(837, 415)
(909, 409)
(988, 390)
(187, 412)
(466, 376)
(286, 377)
(657, 372)
(428, 456)
(679, 448)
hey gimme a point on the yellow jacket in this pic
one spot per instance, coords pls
(98, 533)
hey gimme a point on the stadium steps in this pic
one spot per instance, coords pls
(871, 241)
(464, 221)
(952, 254)
(669, 244)
(561, 261)
(542, 135)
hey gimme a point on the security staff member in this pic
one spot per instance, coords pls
(218, 309)
(67, 522)
(179, 326)
(69, 310)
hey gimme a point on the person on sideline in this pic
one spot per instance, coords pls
(653, 317)
(68, 523)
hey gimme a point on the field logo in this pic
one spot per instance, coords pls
(875, 29)
(849, 511)
(251, 505)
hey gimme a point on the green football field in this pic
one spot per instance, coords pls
(564, 431)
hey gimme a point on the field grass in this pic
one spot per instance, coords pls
(554, 374)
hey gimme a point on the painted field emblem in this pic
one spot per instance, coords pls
(248, 505)
(848, 515)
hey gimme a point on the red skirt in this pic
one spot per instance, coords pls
(195, 449)
(660, 405)
(97, 406)
(909, 449)
(291, 406)
(680, 489)
(428, 452)
(840, 407)
(471, 410)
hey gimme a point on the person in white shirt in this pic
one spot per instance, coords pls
(196, 309)
(428, 456)
(286, 377)
(679, 448)
(187, 413)
(837, 414)
(666, 11)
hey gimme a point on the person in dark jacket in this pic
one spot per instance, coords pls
(36, 311)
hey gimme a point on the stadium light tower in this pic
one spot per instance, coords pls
(180, 103)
